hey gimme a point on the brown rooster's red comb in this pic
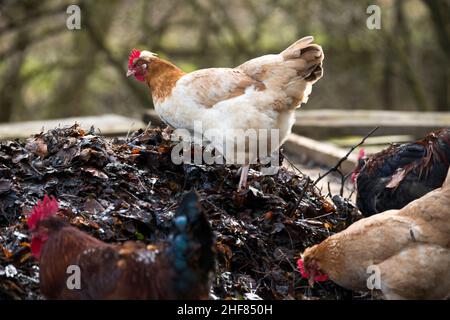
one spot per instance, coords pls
(43, 209)
(134, 54)
(362, 153)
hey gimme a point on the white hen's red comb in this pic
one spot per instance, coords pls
(134, 54)
(42, 210)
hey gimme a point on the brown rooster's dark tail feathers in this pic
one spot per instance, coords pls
(192, 249)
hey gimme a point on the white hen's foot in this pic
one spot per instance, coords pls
(243, 179)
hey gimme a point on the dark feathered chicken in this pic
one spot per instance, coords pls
(400, 174)
(179, 270)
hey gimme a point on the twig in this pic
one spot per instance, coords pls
(129, 131)
(338, 165)
(324, 215)
(34, 168)
(291, 163)
(352, 192)
(329, 190)
(302, 195)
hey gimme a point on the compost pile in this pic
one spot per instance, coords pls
(128, 189)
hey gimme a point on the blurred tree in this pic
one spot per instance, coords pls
(11, 82)
(49, 71)
(440, 16)
(400, 41)
(71, 86)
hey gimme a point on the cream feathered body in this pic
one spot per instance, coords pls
(259, 94)
(250, 110)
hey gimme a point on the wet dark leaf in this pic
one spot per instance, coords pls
(96, 173)
(37, 146)
(5, 186)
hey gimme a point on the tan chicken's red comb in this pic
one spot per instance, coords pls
(134, 54)
(43, 209)
(301, 268)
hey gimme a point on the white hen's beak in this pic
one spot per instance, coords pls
(130, 72)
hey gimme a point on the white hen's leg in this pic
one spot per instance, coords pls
(243, 179)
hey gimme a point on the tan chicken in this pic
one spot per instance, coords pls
(261, 94)
(408, 248)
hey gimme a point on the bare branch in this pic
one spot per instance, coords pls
(336, 168)
(302, 195)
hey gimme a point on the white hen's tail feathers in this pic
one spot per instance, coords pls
(291, 52)
(292, 72)
(308, 57)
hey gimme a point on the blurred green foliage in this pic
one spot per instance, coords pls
(48, 71)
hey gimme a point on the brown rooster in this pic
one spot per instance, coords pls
(404, 253)
(179, 270)
(400, 174)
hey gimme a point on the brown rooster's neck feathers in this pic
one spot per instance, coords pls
(161, 78)
(434, 154)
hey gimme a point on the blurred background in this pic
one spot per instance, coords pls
(48, 71)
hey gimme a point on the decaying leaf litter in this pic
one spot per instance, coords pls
(128, 189)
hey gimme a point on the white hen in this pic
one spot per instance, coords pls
(225, 103)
